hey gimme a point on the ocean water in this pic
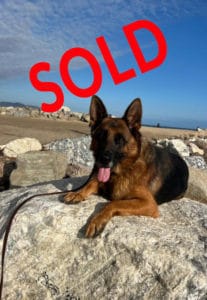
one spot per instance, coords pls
(174, 123)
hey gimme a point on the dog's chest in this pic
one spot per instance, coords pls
(123, 184)
(117, 188)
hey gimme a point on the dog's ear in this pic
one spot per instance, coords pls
(97, 112)
(133, 114)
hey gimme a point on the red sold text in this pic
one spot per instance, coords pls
(118, 77)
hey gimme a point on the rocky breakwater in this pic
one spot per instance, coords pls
(24, 162)
(64, 113)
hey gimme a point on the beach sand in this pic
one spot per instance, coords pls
(49, 130)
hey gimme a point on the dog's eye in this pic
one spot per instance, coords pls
(119, 140)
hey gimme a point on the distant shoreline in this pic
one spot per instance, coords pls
(170, 127)
(47, 130)
(151, 122)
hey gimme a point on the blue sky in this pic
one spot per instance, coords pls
(174, 94)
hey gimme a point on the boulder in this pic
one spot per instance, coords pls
(197, 185)
(77, 115)
(162, 142)
(195, 149)
(179, 146)
(201, 143)
(65, 109)
(19, 146)
(40, 166)
(85, 118)
(77, 150)
(48, 256)
(34, 113)
(21, 112)
(9, 108)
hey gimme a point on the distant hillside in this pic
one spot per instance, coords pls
(14, 104)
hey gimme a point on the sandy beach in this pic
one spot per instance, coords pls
(49, 130)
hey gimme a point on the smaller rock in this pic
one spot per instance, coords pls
(9, 108)
(163, 142)
(85, 118)
(178, 146)
(77, 115)
(195, 149)
(192, 140)
(20, 112)
(38, 166)
(201, 143)
(19, 146)
(65, 109)
(34, 113)
(197, 187)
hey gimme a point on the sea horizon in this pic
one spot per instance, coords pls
(173, 122)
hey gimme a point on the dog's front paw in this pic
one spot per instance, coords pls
(73, 197)
(96, 225)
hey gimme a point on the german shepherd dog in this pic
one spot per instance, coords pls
(132, 173)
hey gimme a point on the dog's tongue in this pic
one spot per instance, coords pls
(103, 174)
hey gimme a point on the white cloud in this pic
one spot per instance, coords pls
(42, 30)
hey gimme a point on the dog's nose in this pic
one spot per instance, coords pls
(106, 157)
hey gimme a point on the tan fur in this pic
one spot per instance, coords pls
(129, 184)
(134, 178)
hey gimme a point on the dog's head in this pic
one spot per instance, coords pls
(115, 141)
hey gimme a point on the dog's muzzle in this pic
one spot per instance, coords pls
(105, 163)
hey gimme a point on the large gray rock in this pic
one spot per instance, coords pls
(19, 146)
(41, 166)
(196, 161)
(134, 258)
(77, 150)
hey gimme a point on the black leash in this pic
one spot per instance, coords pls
(8, 228)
